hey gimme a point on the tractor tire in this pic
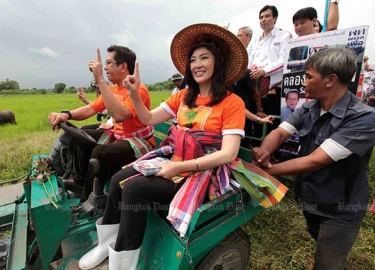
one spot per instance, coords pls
(232, 253)
(59, 155)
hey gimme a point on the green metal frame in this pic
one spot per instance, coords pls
(41, 231)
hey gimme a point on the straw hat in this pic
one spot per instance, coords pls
(235, 54)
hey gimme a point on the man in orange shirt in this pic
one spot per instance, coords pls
(129, 138)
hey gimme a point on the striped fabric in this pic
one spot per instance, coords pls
(111, 136)
(267, 191)
(190, 144)
(140, 145)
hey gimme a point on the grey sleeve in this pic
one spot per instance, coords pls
(357, 134)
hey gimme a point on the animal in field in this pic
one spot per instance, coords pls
(7, 116)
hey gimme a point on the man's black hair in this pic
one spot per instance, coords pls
(305, 13)
(275, 13)
(123, 55)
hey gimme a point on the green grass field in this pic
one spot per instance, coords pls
(278, 236)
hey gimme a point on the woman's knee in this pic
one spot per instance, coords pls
(120, 176)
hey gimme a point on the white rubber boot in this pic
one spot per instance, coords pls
(106, 234)
(127, 259)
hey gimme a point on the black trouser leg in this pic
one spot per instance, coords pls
(137, 195)
(84, 152)
(334, 240)
(111, 158)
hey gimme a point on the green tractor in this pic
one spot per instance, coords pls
(50, 230)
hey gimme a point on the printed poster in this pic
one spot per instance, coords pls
(297, 51)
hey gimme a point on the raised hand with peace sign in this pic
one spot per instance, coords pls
(131, 82)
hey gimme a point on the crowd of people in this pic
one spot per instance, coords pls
(226, 88)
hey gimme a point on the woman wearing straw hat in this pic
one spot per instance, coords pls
(210, 123)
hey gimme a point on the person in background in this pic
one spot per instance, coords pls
(245, 33)
(179, 83)
(81, 94)
(318, 27)
(177, 79)
(306, 23)
(266, 60)
(365, 63)
(247, 90)
(336, 139)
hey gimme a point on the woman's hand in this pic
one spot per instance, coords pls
(131, 82)
(168, 170)
(96, 67)
(267, 120)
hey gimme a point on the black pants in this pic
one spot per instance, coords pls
(111, 158)
(128, 205)
(334, 239)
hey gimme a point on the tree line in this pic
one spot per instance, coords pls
(12, 87)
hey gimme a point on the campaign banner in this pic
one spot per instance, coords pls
(297, 51)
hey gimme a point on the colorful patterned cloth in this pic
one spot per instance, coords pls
(111, 136)
(150, 166)
(138, 140)
(191, 144)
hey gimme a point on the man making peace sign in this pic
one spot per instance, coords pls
(116, 146)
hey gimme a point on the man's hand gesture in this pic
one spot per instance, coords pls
(96, 66)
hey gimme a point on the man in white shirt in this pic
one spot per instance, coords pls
(266, 59)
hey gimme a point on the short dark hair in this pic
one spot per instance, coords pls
(295, 91)
(275, 13)
(320, 26)
(339, 61)
(305, 13)
(123, 55)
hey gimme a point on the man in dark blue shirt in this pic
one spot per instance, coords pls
(336, 133)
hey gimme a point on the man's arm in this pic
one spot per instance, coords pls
(316, 160)
(333, 17)
(114, 107)
(80, 113)
(269, 145)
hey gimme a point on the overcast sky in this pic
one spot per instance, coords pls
(43, 42)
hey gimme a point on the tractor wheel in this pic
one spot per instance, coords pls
(231, 254)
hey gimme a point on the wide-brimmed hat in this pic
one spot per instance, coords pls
(176, 77)
(235, 54)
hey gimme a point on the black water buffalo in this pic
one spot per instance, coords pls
(7, 116)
